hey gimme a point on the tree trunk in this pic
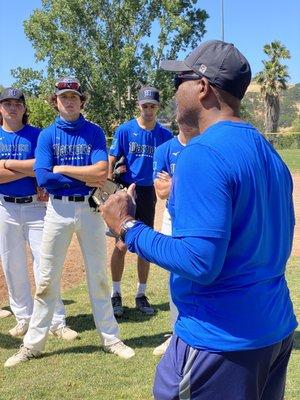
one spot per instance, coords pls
(271, 113)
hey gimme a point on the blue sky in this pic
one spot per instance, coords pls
(248, 24)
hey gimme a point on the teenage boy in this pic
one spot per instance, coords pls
(136, 140)
(71, 158)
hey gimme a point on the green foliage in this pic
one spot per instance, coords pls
(288, 110)
(106, 45)
(296, 124)
(280, 141)
(273, 79)
(252, 109)
(41, 114)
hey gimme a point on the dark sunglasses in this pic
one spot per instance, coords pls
(68, 85)
(179, 79)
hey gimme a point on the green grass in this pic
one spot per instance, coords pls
(292, 158)
(81, 370)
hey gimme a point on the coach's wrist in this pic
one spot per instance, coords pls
(125, 226)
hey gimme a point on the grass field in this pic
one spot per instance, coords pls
(81, 370)
(292, 159)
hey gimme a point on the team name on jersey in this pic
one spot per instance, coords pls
(71, 150)
(14, 148)
(141, 149)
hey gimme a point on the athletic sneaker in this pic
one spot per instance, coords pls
(24, 354)
(4, 313)
(20, 329)
(64, 332)
(143, 305)
(161, 349)
(120, 349)
(116, 302)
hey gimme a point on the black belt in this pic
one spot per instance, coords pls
(70, 198)
(18, 200)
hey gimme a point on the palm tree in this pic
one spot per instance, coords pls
(273, 79)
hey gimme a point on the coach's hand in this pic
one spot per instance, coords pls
(118, 208)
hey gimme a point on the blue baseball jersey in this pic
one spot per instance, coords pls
(138, 146)
(77, 143)
(231, 194)
(19, 146)
(166, 156)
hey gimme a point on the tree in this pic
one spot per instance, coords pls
(112, 47)
(273, 79)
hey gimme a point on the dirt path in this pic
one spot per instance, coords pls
(74, 269)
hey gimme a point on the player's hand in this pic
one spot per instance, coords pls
(118, 208)
(42, 194)
(120, 170)
(164, 176)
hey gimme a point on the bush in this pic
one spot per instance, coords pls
(281, 141)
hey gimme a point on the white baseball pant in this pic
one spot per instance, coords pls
(21, 223)
(166, 229)
(63, 218)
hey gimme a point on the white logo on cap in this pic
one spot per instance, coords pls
(12, 92)
(202, 68)
(148, 93)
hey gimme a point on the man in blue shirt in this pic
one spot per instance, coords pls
(136, 141)
(22, 213)
(71, 158)
(233, 221)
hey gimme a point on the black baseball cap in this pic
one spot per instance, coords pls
(12, 93)
(68, 84)
(221, 63)
(148, 94)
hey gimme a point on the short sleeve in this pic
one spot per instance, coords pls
(116, 148)
(99, 151)
(44, 151)
(159, 160)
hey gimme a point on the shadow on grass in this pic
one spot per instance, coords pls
(9, 342)
(150, 341)
(85, 322)
(296, 345)
(81, 322)
(67, 302)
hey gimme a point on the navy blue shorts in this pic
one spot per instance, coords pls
(185, 373)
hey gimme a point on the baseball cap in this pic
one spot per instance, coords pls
(148, 94)
(12, 93)
(221, 63)
(68, 84)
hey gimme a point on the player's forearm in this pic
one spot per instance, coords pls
(49, 180)
(6, 175)
(96, 172)
(162, 189)
(111, 165)
(23, 166)
(194, 258)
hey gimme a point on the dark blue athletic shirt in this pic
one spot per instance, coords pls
(138, 146)
(233, 222)
(19, 145)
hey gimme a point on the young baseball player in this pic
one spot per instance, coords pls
(136, 140)
(21, 213)
(71, 158)
(164, 163)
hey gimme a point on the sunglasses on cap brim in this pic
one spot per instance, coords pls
(184, 77)
(68, 85)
